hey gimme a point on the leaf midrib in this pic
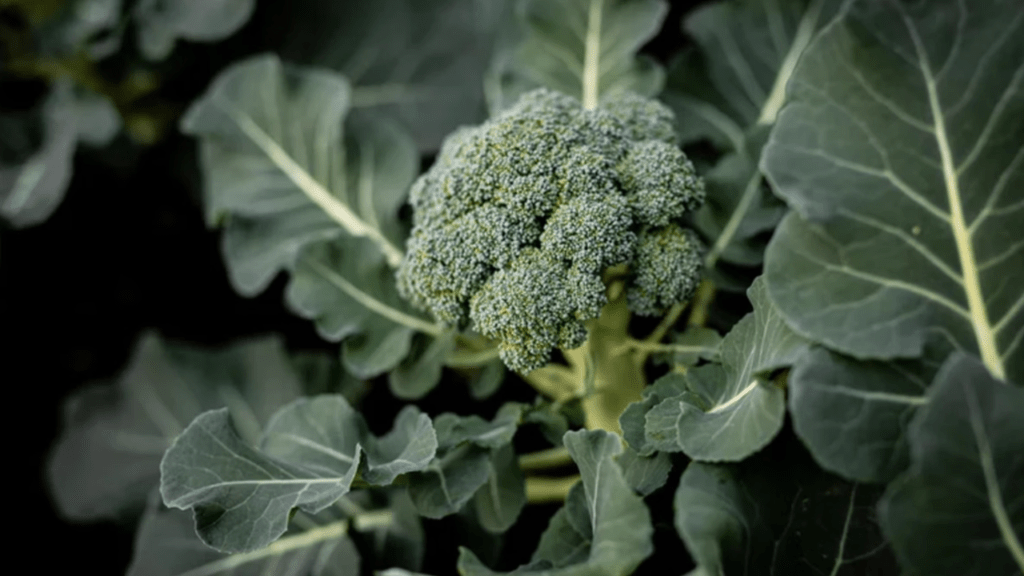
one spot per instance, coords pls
(984, 333)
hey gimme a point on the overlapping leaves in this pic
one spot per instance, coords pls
(604, 528)
(305, 188)
(729, 91)
(107, 460)
(583, 48)
(308, 457)
(962, 494)
(727, 411)
(778, 514)
(319, 545)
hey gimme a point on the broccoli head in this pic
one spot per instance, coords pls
(519, 218)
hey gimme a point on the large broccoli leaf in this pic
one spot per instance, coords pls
(778, 514)
(959, 509)
(603, 529)
(583, 48)
(303, 188)
(419, 62)
(308, 457)
(902, 153)
(853, 415)
(107, 460)
(729, 91)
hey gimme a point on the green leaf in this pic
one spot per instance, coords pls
(166, 545)
(500, 500)
(448, 482)
(420, 372)
(107, 459)
(689, 347)
(732, 410)
(747, 51)
(739, 210)
(778, 515)
(645, 474)
(161, 23)
(309, 456)
(584, 48)
(960, 507)
(280, 166)
(853, 415)
(367, 313)
(419, 62)
(633, 419)
(465, 460)
(900, 157)
(453, 429)
(306, 189)
(729, 92)
(33, 181)
(603, 529)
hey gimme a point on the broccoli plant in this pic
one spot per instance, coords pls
(596, 298)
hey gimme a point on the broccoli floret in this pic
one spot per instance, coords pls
(519, 217)
(667, 267)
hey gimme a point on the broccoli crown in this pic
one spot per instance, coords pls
(519, 217)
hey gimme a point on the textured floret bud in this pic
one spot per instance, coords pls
(519, 217)
(667, 267)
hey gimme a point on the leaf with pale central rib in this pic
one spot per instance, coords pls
(729, 92)
(737, 76)
(310, 453)
(418, 62)
(304, 187)
(107, 459)
(604, 529)
(283, 167)
(959, 509)
(731, 410)
(853, 415)
(584, 48)
(902, 153)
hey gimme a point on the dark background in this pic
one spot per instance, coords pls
(127, 251)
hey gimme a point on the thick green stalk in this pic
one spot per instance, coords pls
(618, 376)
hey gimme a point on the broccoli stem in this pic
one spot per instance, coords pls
(618, 372)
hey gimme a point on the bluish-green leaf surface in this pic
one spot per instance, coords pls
(737, 76)
(35, 175)
(778, 514)
(853, 415)
(901, 152)
(603, 529)
(584, 48)
(730, 411)
(959, 509)
(107, 460)
(465, 463)
(302, 186)
(502, 497)
(645, 474)
(417, 62)
(309, 455)
(729, 92)
(166, 543)
(161, 23)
